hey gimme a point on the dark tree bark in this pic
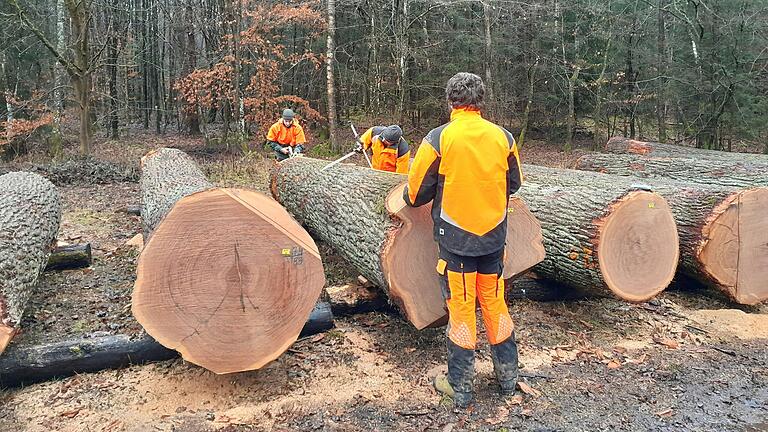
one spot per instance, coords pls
(70, 257)
(30, 211)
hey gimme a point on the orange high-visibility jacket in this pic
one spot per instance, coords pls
(470, 167)
(282, 135)
(393, 158)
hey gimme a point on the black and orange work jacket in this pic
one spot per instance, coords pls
(393, 158)
(469, 167)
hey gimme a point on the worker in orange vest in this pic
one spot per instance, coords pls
(390, 151)
(286, 136)
(470, 167)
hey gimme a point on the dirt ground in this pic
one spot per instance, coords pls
(687, 361)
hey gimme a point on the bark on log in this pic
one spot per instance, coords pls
(607, 239)
(361, 213)
(226, 276)
(723, 231)
(735, 174)
(30, 211)
(70, 257)
(623, 145)
(27, 365)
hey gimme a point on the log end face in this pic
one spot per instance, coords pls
(525, 241)
(228, 279)
(638, 246)
(736, 251)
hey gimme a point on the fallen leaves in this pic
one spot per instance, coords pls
(613, 364)
(530, 391)
(667, 342)
(515, 400)
(502, 414)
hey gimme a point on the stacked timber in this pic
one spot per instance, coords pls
(226, 277)
(30, 212)
(723, 231)
(361, 214)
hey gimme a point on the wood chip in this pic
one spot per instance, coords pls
(613, 364)
(502, 414)
(669, 412)
(667, 342)
(515, 400)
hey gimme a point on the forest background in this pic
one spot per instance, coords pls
(569, 72)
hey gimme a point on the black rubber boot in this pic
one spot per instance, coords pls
(461, 372)
(505, 366)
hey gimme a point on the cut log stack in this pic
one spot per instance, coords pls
(361, 214)
(715, 237)
(604, 239)
(720, 201)
(226, 277)
(30, 212)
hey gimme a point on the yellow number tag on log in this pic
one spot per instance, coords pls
(651, 205)
(285, 252)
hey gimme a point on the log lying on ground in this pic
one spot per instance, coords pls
(226, 276)
(737, 174)
(27, 365)
(723, 231)
(361, 214)
(70, 257)
(623, 145)
(30, 212)
(607, 239)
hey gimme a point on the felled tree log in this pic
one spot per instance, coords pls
(226, 276)
(361, 213)
(30, 211)
(737, 174)
(623, 145)
(27, 365)
(70, 257)
(607, 239)
(723, 231)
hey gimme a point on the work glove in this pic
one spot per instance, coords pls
(359, 147)
(284, 150)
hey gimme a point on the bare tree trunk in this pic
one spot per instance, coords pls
(329, 58)
(571, 121)
(488, 54)
(599, 138)
(661, 99)
(79, 12)
(58, 82)
(526, 114)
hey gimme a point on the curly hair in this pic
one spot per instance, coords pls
(465, 90)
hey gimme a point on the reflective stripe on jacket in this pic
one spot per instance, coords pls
(393, 158)
(469, 167)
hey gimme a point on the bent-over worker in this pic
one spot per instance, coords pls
(390, 151)
(470, 167)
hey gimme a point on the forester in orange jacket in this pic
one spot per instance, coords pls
(390, 151)
(470, 167)
(286, 136)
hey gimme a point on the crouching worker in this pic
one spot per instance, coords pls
(470, 167)
(389, 150)
(286, 136)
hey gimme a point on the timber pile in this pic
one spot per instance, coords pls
(727, 173)
(30, 211)
(623, 145)
(226, 276)
(602, 239)
(723, 230)
(361, 214)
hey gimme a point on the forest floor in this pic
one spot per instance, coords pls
(686, 361)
